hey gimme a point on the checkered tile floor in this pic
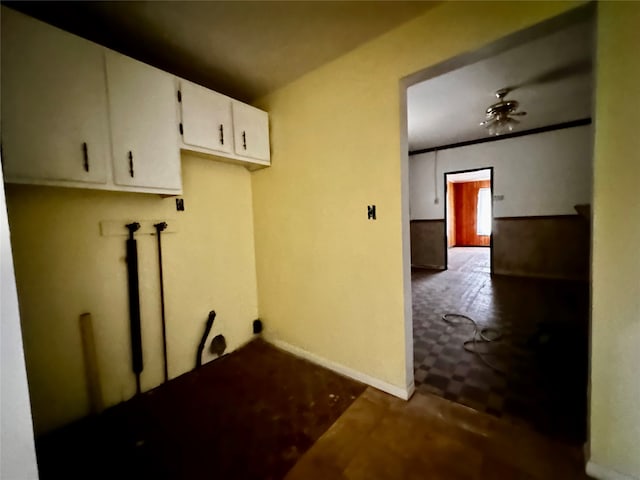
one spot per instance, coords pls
(542, 356)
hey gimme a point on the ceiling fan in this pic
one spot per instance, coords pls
(499, 116)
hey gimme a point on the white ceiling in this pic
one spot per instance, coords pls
(244, 49)
(551, 77)
(474, 176)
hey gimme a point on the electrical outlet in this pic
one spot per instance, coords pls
(371, 212)
(180, 204)
(498, 198)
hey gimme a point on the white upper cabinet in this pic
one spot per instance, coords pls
(251, 132)
(145, 146)
(76, 114)
(224, 128)
(206, 118)
(54, 104)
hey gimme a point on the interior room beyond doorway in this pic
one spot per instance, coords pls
(469, 215)
(500, 226)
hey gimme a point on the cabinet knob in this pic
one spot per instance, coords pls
(85, 155)
(131, 163)
(244, 140)
(221, 134)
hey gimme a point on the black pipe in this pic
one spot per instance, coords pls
(207, 329)
(134, 303)
(159, 228)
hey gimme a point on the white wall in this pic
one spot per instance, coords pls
(543, 174)
(17, 450)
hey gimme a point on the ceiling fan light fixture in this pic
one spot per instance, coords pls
(499, 119)
(497, 129)
(502, 126)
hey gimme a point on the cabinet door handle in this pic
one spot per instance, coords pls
(85, 154)
(130, 163)
(221, 134)
(244, 140)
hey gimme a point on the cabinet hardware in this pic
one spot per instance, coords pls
(221, 134)
(179, 96)
(85, 154)
(130, 163)
(181, 129)
(244, 140)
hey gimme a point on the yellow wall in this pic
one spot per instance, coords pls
(615, 367)
(330, 281)
(64, 267)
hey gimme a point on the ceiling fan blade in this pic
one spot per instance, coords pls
(489, 118)
(579, 67)
(518, 113)
(488, 122)
(513, 120)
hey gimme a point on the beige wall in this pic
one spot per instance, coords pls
(330, 281)
(615, 374)
(64, 267)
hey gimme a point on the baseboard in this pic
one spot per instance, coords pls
(605, 473)
(403, 393)
(410, 391)
(586, 451)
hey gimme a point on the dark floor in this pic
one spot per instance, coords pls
(249, 415)
(542, 358)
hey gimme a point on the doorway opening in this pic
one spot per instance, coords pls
(529, 295)
(469, 219)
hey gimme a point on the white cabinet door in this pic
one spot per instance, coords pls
(251, 132)
(144, 129)
(206, 118)
(54, 104)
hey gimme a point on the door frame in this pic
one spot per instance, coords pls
(446, 214)
(432, 70)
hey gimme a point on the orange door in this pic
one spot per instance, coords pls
(465, 208)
